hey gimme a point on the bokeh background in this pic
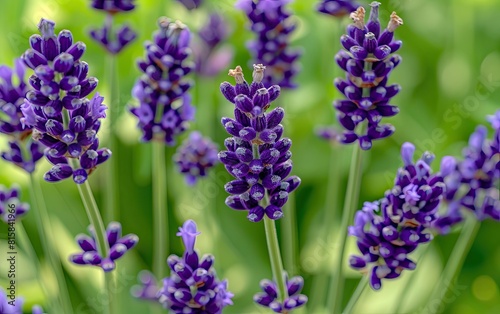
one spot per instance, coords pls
(451, 55)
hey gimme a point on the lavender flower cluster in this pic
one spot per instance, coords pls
(195, 156)
(368, 60)
(114, 40)
(337, 8)
(22, 152)
(257, 155)
(165, 107)
(269, 296)
(388, 230)
(193, 286)
(9, 201)
(273, 27)
(118, 246)
(62, 117)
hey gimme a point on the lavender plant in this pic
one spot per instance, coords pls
(368, 59)
(269, 296)
(23, 152)
(9, 198)
(257, 156)
(193, 286)
(118, 246)
(337, 8)
(388, 230)
(271, 23)
(196, 156)
(211, 56)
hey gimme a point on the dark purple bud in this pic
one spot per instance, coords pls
(240, 170)
(117, 251)
(347, 42)
(243, 102)
(54, 127)
(275, 117)
(274, 212)
(357, 262)
(228, 158)
(268, 136)
(33, 58)
(256, 214)
(247, 134)
(88, 86)
(58, 149)
(271, 181)
(382, 52)
(279, 199)
(370, 42)
(257, 192)
(359, 52)
(77, 124)
(89, 159)
(65, 39)
(270, 156)
(236, 187)
(261, 98)
(80, 176)
(295, 285)
(63, 63)
(244, 154)
(86, 242)
(76, 50)
(274, 92)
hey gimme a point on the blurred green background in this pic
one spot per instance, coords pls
(451, 52)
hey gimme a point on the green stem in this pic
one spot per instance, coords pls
(110, 285)
(160, 210)
(289, 235)
(25, 242)
(111, 180)
(275, 257)
(455, 263)
(47, 239)
(335, 291)
(357, 293)
(99, 229)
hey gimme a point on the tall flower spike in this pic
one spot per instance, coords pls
(58, 109)
(165, 106)
(271, 23)
(475, 180)
(388, 230)
(193, 286)
(11, 207)
(118, 246)
(337, 8)
(269, 296)
(210, 55)
(257, 156)
(195, 157)
(368, 60)
(22, 152)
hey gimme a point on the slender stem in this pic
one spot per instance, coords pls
(335, 291)
(47, 239)
(274, 255)
(99, 230)
(455, 263)
(289, 236)
(357, 293)
(25, 242)
(160, 210)
(111, 179)
(110, 286)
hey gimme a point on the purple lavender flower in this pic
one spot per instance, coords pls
(11, 99)
(193, 286)
(113, 6)
(13, 304)
(148, 289)
(190, 4)
(270, 23)
(257, 155)
(118, 246)
(62, 117)
(11, 207)
(165, 106)
(269, 296)
(367, 59)
(113, 40)
(330, 134)
(474, 183)
(195, 156)
(337, 8)
(388, 230)
(209, 56)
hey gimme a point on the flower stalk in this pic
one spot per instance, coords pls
(160, 209)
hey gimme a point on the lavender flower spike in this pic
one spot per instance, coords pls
(195, 157)
(118, 246)
(11, 207)
(337, 8)
(257, 156)
(271, 24)
(268, 297)
(368, 60)
(23, 152)
(165, 106)
(58, 109)
(388, 230)
(113, 6)
(210, 55)
(193, 286)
